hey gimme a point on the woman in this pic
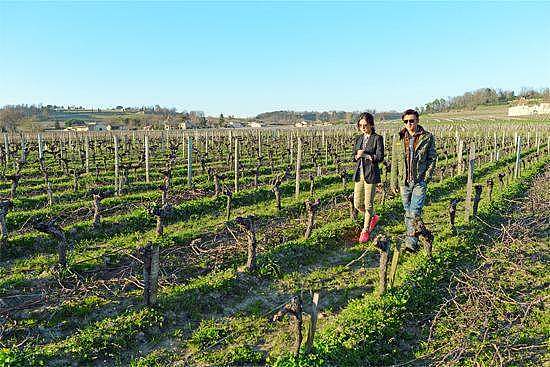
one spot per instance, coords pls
(368, 152)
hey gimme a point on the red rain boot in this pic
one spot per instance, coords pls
(364, 237)
(373, 222)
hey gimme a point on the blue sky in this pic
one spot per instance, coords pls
(243, 58)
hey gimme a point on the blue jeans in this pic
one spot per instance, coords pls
(413, 196)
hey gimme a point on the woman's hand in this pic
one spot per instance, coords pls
(359, 154)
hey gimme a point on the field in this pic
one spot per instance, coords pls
(208, 247)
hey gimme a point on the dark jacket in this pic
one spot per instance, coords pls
(374, 148)
(424, 157)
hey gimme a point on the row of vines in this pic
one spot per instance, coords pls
(223, 247)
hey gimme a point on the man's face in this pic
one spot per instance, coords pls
(410, 123)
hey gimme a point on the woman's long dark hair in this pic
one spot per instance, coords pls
(369, 118)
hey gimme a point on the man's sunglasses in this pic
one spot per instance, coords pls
(411, 121)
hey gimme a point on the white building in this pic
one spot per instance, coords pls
(524, 110)
(235, 124)
(97, 126)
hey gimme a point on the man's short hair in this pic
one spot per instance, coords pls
(410, 112)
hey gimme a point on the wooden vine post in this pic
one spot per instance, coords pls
(236, 167)
(151, 264)
(40, 146)
(495, 155)
(393, 267)
(117, 183)
(298, 167)
(460, 160)
(383, 246)
(291, 148)
(259, 143)
(190, 161)
(146, 143)
(470, 183)
(518, 155)
(87, 153)
(312, 323)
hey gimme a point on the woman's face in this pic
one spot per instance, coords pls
(364, 126)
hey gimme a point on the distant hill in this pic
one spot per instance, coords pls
(470, 101)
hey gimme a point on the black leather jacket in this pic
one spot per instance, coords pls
(373, 148)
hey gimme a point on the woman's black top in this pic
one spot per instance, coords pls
(374, 146)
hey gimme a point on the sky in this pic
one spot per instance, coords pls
(244, 58)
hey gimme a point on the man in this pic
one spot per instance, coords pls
(419, 157)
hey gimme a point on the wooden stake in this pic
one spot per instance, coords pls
(40, 146)
(383, 245)
(298, 167)
(469, 184)
(87, 153)
(518, 155)
(147, 180)
(393, 267)
(150, 273)
(190, 161)
(117, 183)
(312, 323)
(236, 167)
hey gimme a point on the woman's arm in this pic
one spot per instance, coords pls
(354, 159)
(379, 150)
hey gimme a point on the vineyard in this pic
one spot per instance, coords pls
(239, 246)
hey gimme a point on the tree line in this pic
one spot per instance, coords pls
(484, 97)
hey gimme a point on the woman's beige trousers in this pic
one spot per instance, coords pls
(363, 199)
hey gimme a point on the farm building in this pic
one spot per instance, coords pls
(255, 124)
(86, 126)
(524, 110)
